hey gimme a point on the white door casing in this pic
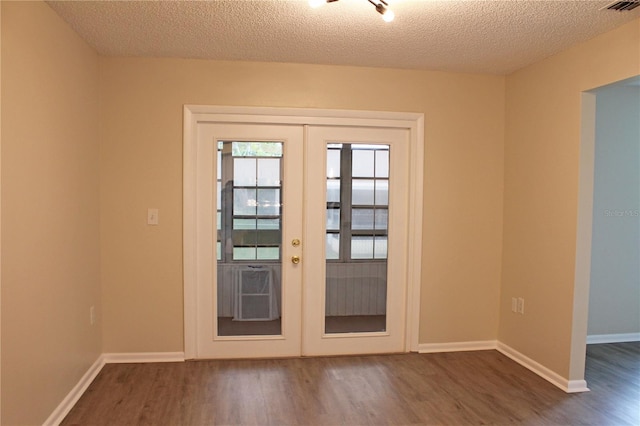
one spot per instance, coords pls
(202, 125)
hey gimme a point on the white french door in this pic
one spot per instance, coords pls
(356, 240)
(298, 237)
(249, 204)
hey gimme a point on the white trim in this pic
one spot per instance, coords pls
(569, 386)
(189, 248)
(414, 264)
(61, 411)
(613, 338)
(576, 386)
(78, 390)
(143, 357)
(269, 115)
(483, 345)
(584, 230)
(195, 114)
(0, 221)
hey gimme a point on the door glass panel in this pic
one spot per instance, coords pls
(363, 163)
(244, 201)
(381, 218)
(362, 248)
(333, 161)
(362, 218)
(333, 219)
(333, 190)
(269, 172)
(382, 192)
(362, 191)
(244, 223)
(333, 246)
(249, 215)
(380, 248)
(268, 224)
(244, 172)
(382, 163)
(268, 202)
(356, 231)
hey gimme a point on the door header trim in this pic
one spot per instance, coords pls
(333, 117)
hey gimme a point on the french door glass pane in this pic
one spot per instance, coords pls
(269, 224)
(382, 192)
(268, 202)
(244, 223)
(362, 248)
(333, 219)
(381, 219)
(244, 201)
(363, 163)
(333, 163)
(382, 163)
(333, 191)
(333, 246)
(244, 172)
(356, 231)
(362, 218)
(269, 172)
(363, 192)
(380, 247)
(249, 219)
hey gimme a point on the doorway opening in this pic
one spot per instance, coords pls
(607, 283)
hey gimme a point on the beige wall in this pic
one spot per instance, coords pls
(542, 153)
(73, 216)
(50, 222)
(141, 167)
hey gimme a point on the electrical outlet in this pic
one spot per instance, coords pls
(92, 315)
(514, 304)
(521, 305)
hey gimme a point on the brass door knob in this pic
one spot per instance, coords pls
(295, 259)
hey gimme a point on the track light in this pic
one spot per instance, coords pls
(382, 7)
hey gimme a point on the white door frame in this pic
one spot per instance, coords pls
(197, 114)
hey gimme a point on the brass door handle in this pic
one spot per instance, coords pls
(295, 259)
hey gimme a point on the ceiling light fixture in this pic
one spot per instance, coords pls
(382, 7)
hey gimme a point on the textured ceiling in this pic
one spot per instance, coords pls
(467, 36)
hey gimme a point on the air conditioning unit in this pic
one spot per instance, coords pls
(255, 299)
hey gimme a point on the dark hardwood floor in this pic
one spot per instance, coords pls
(463, 388)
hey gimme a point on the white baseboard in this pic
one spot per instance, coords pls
(613, 338)
(483, 345)
(569, 386)
(70, 400)
(141, 357)
(577, 386)
(114, 358)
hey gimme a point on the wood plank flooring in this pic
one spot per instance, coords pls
(464, 388)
